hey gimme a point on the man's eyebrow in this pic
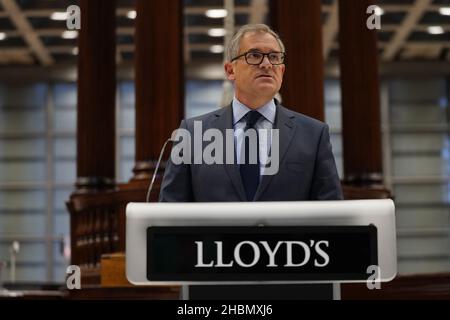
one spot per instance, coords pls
(259, 50)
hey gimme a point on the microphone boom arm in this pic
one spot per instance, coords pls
(147, 198)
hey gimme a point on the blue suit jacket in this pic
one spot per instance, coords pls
(307, 169)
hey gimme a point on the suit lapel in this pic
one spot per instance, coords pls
(286, 128)
(223, 121)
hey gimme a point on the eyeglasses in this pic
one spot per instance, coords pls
(255, 58)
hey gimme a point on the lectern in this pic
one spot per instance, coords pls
(259, 250)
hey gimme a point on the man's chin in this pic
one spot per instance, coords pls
(266, 90)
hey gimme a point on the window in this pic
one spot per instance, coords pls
(334, 120)
(419, 171)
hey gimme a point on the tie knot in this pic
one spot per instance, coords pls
(252, 117)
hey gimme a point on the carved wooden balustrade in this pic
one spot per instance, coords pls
(97, 224)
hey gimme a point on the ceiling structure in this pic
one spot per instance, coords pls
(411, 30)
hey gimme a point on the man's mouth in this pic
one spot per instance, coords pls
(264, 76)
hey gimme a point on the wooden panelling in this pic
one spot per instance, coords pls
(96, 93)
(360, 94)
(159, 78)
(300, 28)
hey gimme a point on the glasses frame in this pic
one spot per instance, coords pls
(262, 59)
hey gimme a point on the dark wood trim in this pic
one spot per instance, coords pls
(300, 27)
(361, 128)
(159, 77)
(96, 93)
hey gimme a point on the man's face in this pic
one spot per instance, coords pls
(261, 81)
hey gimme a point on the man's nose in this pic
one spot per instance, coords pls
(265, 63)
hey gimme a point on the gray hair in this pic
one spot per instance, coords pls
(234, 44)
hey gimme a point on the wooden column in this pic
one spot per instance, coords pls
(93, 225)
(159, 79)
(300, 27)
(96, 95)
(360, 95)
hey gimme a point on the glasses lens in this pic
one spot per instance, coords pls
(276, 57)
(254, 57)
(257, 57)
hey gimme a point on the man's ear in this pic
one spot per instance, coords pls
(229, 70)
(283, 68)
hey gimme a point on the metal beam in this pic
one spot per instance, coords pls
(415, 13)
(201, 10)
(124, 11)
(204, 30)
(206, 46)
(15, 55)
(27, 32)
(186, 49)
(257, 10)
(57, 32)
(392, 7)
(427, 52)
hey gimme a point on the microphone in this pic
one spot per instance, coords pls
(147, 199)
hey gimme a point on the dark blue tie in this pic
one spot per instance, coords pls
(250, 172)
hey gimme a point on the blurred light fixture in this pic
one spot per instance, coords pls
(75, 51)
(69, 34)
(445, 11)
(217, 32)
(435, 30)
(2, 36)
(217, 48)
(131, 14)
(216, 13)
(59, 16)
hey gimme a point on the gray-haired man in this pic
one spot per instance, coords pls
(306, 168)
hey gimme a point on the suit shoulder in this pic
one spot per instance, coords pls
(303, 119)
(209, 115)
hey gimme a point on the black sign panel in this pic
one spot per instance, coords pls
(260, 253)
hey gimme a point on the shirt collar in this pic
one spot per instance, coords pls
(240, 110)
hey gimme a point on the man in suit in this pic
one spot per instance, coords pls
(306, 168)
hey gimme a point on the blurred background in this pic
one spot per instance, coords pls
(39, 65)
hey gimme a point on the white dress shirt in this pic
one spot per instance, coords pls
(264, 126)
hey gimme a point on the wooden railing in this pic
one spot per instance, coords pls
(97, 225)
